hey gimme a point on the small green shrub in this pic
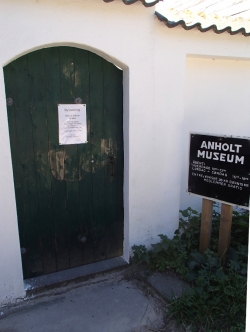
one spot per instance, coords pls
(172, 253)
(239, 231)
(218, 294)
(141, 254)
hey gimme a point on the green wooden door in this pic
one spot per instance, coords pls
(69, 198)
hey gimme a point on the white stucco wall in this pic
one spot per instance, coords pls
(163, 102)
(216, 101)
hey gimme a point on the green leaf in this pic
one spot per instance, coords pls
(192, 264)
(185, 213)
(191, 275)
(198, 257)
(199, 290)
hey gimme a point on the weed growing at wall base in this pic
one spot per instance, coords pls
(216, 300)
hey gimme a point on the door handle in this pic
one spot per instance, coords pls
(111, 163)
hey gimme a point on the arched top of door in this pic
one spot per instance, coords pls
(98, 52)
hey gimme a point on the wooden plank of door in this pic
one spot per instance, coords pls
(120, 163)
(11, 111)
(24, 127)
(98, 155)
(112, 112)
(56, 158)
(225, 231)
(206, 224)
(71, 161)
(85, 227)
(45, 220)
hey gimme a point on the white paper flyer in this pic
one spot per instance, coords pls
(72, 124)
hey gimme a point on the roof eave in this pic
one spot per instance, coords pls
(173, 24)
(130, 2)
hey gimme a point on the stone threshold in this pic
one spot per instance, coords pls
(43, 283)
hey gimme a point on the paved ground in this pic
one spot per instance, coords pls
(114, 302)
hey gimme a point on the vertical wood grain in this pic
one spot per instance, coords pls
(26, 164)
(40, 137)
(86, 226)
(225, 231)
(97, 132)
(206, 224)
(71, 158)
(9, 75)
(114, 146)
(55, 156)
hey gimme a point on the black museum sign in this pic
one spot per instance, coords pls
(219, 168)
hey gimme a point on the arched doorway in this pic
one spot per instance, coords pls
(69, 198)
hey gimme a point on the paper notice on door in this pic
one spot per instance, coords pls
(72, 124)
